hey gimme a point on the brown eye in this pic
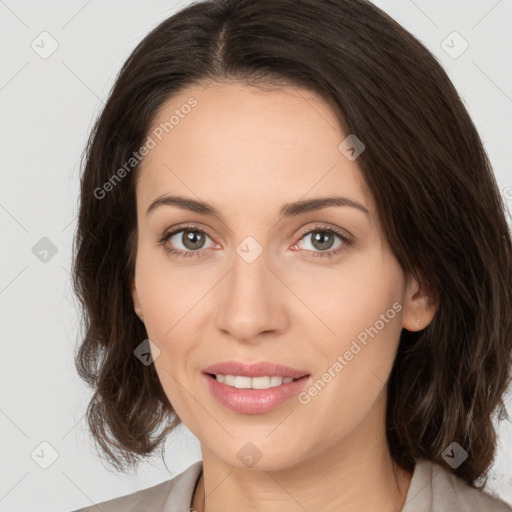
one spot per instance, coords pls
(322, 240)
(184, 241)
(192, 240)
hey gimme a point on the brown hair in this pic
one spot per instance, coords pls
(437, 200)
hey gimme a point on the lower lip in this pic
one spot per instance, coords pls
(254, 401)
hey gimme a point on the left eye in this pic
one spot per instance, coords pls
(323, 239)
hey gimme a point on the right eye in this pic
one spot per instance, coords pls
(190, 237)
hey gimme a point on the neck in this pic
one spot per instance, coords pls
(357, 474)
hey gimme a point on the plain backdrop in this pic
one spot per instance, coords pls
(48, 104)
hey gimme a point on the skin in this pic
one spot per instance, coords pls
(247, 152)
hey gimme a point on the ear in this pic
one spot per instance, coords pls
(420, 304)
(136, 301)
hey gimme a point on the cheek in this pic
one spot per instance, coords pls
(168, 293)
(350, 298)
(362, 309)
(351, 373)
(173, 316)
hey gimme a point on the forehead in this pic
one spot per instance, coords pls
(234, 143)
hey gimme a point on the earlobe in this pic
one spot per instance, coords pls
(136, 302)
(419, 305)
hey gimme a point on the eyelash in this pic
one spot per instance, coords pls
(346, 242)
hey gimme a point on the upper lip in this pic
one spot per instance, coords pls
(260, 369)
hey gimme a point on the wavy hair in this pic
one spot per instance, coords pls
(437, 198)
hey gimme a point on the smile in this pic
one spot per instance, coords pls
(243, 382)
(244, 396)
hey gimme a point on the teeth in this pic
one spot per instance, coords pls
(241, 382)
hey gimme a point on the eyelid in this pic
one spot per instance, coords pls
(321, 226)
(346, 239)
(169, 233)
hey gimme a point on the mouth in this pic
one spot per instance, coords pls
(245, 382)
(254, 388)
(261, 369)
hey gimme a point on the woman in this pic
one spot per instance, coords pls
(291, 240)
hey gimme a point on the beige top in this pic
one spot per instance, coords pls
(432, 489)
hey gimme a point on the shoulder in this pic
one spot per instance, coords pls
(174, 494)
(436, 489)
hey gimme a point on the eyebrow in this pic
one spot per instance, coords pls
(287, 210)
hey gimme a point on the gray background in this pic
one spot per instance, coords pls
(47, 107)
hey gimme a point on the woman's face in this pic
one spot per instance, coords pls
(256, 285)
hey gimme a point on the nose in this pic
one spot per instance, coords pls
(252, 301)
